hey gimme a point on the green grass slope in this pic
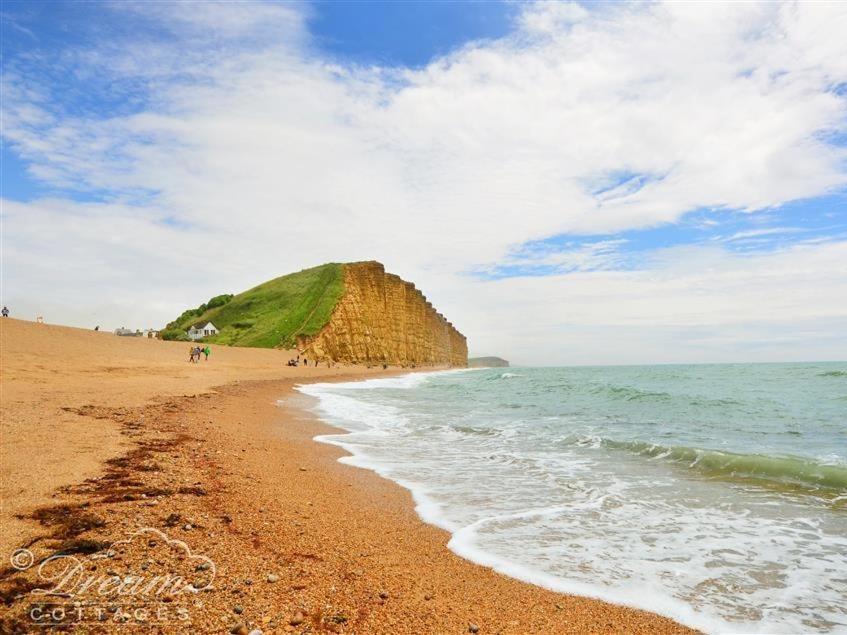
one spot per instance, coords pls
(272, 314)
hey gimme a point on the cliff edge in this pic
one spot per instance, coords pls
(381, 318)
(353, 313)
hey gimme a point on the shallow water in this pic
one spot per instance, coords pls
(715, 494)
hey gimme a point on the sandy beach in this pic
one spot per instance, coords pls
(120, 439)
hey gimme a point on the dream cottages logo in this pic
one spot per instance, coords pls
(105, 588)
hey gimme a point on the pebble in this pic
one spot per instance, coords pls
(187, 527)
(239, 629)
(203, 566)
(383, 595)
(297, 619)
(238, 609)
(473, 628)
(272, 577)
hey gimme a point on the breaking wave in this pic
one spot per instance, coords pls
(784, 470)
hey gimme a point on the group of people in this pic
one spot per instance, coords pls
(195, 352)
(296, 362)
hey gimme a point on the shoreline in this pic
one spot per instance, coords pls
(460, 539)
(300, 541)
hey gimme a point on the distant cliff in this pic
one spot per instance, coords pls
(354, 312)
(487, 362)
(381, 318)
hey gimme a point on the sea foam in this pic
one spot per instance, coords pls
(550, 492)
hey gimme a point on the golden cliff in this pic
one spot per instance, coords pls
(381, 318)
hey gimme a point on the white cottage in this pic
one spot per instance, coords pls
(198, 331)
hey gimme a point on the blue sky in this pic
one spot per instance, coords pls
(388, 34)
(396, 34)
(546, 151)
(405, 33)
(799, 222)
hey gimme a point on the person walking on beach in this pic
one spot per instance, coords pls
(206, 352)
(5, 311)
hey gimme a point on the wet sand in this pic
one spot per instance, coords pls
(105, 436)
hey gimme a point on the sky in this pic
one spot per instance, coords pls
(595, 183)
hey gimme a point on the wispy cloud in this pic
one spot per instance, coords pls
(758, 233)
(9, 21)
(546, 258)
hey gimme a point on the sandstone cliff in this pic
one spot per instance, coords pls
(381, 318)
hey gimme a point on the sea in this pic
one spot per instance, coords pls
(714, 494)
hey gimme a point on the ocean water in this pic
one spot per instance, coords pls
(714, 494)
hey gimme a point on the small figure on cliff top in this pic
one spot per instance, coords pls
(5, 311)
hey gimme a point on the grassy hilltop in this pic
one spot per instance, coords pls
(270, 315)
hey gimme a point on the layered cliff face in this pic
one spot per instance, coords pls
(381, 318)
(351, 312)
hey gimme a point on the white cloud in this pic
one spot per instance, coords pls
(685, 304)
(243, 19)
(549, 18)
(759, 233)
(603, 254)
(270, 159)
